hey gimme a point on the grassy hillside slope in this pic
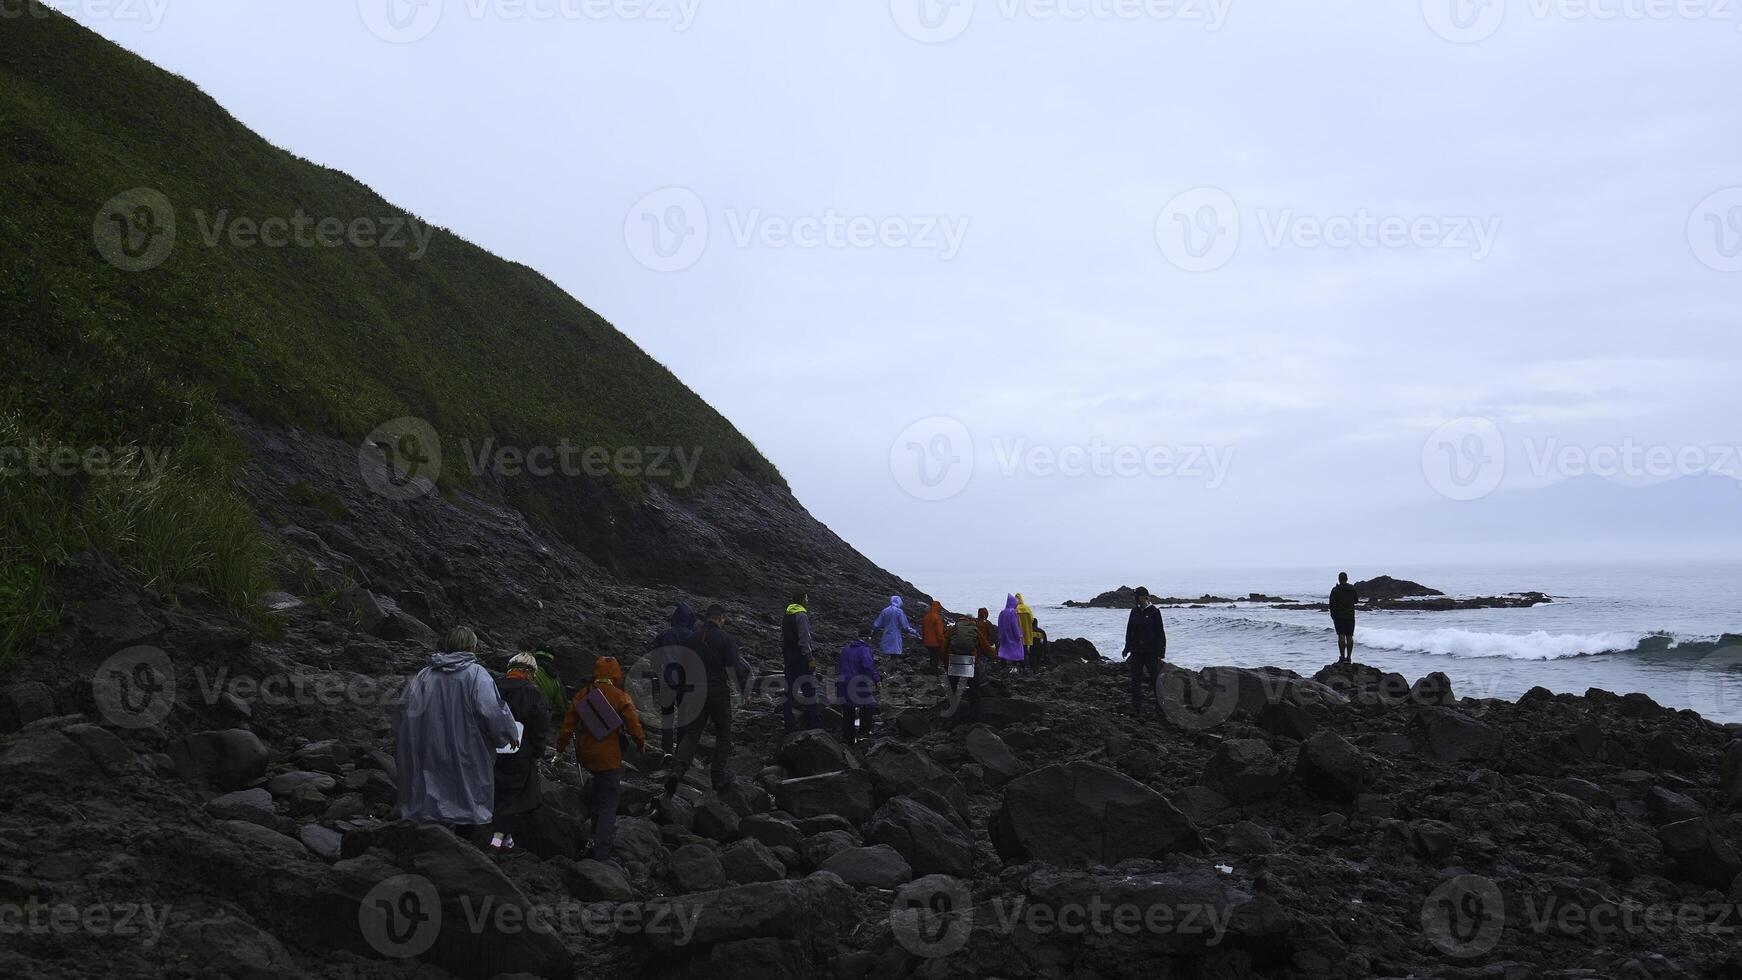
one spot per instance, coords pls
(338, 339)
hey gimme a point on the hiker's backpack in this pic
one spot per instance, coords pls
(965, 638)
(597, 714)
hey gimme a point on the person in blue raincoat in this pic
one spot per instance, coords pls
(890, 625)
(450, 722)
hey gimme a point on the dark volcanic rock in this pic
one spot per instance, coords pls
(930, 841)
(847, 794)
(1243, 770)
(1328, 766)
(1449, 735)
(1386, 587)
(1079, 813)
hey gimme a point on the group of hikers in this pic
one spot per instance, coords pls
(468, 746)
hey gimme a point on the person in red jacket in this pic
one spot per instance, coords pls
(603, 757)
(931, 633)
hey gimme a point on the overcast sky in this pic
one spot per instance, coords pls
(1242, 266)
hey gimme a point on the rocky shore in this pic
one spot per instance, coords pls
(1257, 824)
(187, 794)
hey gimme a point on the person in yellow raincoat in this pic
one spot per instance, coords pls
(1025, 623)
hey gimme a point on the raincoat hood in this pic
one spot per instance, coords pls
(450, 662)
(983, 612)
(895, 601)
(683, 617)
(795, 609)
(606, 670)
(1010, 602)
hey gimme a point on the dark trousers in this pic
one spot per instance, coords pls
(852, 716)
(507, 823)
(973, 698)
(667, 729)
(1143, 664)
(603, 793)
(937, 659)
(716, 711)
(801, 691)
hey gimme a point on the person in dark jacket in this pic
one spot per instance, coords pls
(1343, 599)
(723, 668)
(667, 670)
(1145, 647)
(801, 671)
(518, 790)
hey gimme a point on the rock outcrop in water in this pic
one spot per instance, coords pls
(1383, 592)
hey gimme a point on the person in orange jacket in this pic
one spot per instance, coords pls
(603, 757)
(932, 635)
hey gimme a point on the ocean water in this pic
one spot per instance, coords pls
(1608, 626)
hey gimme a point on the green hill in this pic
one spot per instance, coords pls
(105, 346)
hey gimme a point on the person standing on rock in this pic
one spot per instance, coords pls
(722, 665)
(1343, 599)
(931, 633)
(1037, 652)
(1010, 635)
(1145, 647)
(891, 625)
(856, 688)
(970, 648)
(601, 718)
(1025, 620)
(518, 790)
(448, 726)
(801, 671)
(666, 667)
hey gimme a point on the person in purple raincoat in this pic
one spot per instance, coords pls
(1010, 636)
(856, 688)
(891, 623)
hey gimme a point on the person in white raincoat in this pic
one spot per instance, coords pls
(450, 722)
